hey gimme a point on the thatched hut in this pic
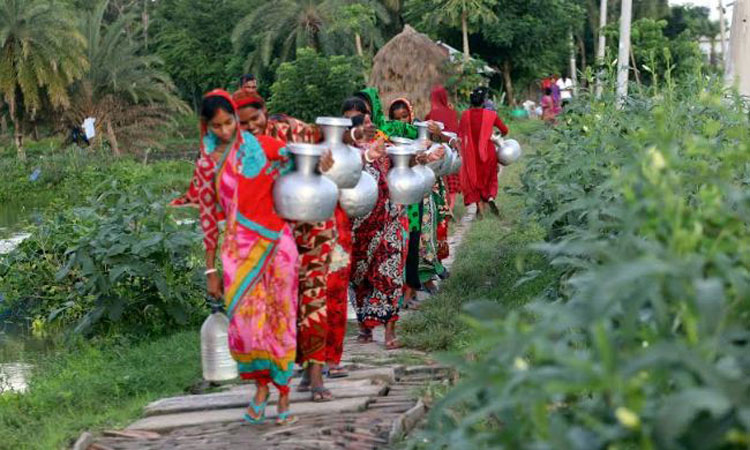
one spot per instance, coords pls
(408, 66)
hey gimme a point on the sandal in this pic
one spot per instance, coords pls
(337, 372)
(285, 418)
(258, 410)
(321, 395)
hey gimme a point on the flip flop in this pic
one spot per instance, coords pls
(258, 410)
(337, 372)
(285, 418)
(321, 395)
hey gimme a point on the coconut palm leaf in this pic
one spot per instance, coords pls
(41, 54)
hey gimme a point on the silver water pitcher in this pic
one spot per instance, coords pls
(508, 152)
(304, 195)
(405, 186)
(347, 161)
(362, 198)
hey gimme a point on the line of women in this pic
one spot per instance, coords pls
(286, 284)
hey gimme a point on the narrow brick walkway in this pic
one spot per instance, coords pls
(374, 407)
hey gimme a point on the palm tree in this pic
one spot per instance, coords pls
(42, 54)
(124, 89)
(281, 27)
(360, 19)
(466, 14)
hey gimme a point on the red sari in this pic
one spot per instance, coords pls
(479, 169)
(441, 112)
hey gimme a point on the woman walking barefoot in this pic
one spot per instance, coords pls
(233, 181)
(479, 169)
(379, 239)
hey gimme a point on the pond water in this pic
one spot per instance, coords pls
(14, 377)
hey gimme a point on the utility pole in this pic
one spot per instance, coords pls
(601, 49)
(623, 55)
(738, 67)
(723, 35)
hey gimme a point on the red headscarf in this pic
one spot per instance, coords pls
(406, 102)
(440, 111)
(201, 192)
(245, 97)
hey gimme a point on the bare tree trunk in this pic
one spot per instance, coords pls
(112, 138)
(358, 44)
(723, 34)
(626, 18)
(145, 24)
(18, 136)
(465, 33)
(573, 65)
(4, 125)
(508, 82)
(601, 48)
(582, 49)
(635, 68)
(738, 58)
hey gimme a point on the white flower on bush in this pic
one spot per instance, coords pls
(520, 364)
(657, 159)
(627, 418)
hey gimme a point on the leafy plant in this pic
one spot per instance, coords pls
(314, 85)
(121, 263)
(645, 342)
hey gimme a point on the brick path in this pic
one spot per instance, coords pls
(374, 407)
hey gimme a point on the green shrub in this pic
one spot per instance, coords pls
(121, 263)
(315, 85)
(646, 341)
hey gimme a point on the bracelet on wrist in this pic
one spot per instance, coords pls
(210, 271)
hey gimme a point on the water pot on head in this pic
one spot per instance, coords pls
(304, 195)
(347, 161)
(216, 360)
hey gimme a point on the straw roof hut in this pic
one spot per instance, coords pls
(409, 65)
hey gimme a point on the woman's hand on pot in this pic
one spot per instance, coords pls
(326, 161)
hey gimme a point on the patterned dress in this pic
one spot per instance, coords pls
(325, 254)
(379, 256)
(259, 257)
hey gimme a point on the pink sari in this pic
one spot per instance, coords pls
(259, 255)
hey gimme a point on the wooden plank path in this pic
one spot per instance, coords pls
(373, 408)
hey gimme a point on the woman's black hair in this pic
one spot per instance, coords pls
(245, 78)
(395, 106)
(211, 105)
(365, 98)
(547, 91)
(478, 96)
(354, 104)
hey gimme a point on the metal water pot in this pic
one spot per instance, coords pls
(216, 359)
(405, 186)
(450, 155)
(361, 199)
(428, 178)
(424, 136)
(508, 152)
(347, 161)
(304, 195)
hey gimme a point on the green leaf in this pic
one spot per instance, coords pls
(679, 410)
